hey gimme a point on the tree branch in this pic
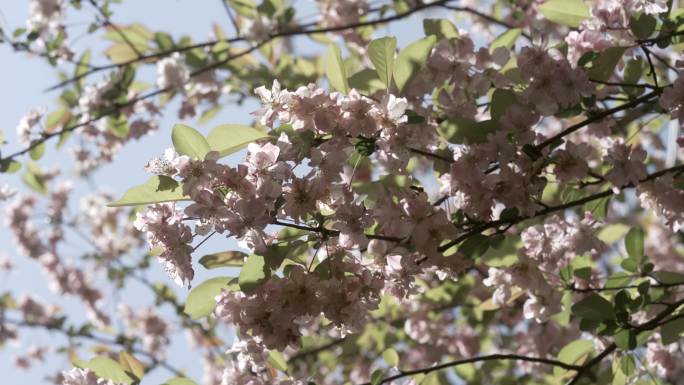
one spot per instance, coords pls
(492, 224)
(491, 357)
(120, 341)
(304, 29)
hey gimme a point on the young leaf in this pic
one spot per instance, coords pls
(411, 60)
(335, 71)
(223, 259)
(37, 151)
(671, 331)
(391, 357)
(462, 130)
(506, 39)
(33, 178)
(277, 359)
(634, 243)
(627, 365)
(381, 54)
(474, 246)
(565, 12)
(230, 138)
(157, 189)
(595, 308)
(501, 100)
(188, 141)
(179, 381)
(366, 81)
(131, 365)
(9, 166)
(377, 377)
(574, 353)
(625, 339)
(604, 66)
(642, 25)
(200, 301)
(253, 273)
(441, 28)
(108, 369)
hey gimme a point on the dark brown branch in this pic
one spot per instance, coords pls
(120, 340)
(493, 224)
(598, 117)
(655, 322)
(326, 232)
(491, 357)
(117, 107)
(572, 287)
(107, 23)
(304, 29)
(486, 17)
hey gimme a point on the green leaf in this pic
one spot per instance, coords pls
(604, 66)
(462, 130)
(335, 70)
(200, 301)
(612, 233)
(565, 12)
(230, 138)
(501, 100)
(245, 8)
(223, 259)
(634, 69)
(82, 67)
(37, 151)
(366, 81)
(669, 277)
(381, 54)
(157, 189)
(474, 246)
(253, 273)
(164, 41)
(109, 369)
(9, 166)
(574, 353)
(595, 308)
(671, 331)
(33, 178)
(391, 357)
(131, 365)
(377, 377)
(118, 125)
(121, 53)
(277, 359)
(627, 365)
(57, 118)
(619, 377)
(179, 381)
(411, 61)
(441, 28)
(506, 39)
(642, 25)
(189, 141)
(625, 339)
(634, 243)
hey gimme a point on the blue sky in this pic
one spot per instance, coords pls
(22, 80)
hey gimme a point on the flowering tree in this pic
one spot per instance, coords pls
(497, 202)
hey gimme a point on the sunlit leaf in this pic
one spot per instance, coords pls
(335, 70)
(229, 138)
(157, 189)
(411, 61)
(188, 141)
(201, 299)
